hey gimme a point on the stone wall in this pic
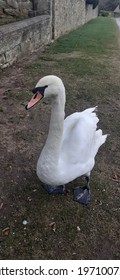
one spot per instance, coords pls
(70, 14)
(24, 8)
(89, 13)
(95, 12)
(23, 37)
(60, 16)
(67, 15)
(15, 8)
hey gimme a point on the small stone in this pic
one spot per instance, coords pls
(29, 199)
(5, 97)
(25, 222)
(78, 228)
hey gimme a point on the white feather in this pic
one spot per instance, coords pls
(72, 144)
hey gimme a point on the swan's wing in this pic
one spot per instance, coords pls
(78, 136)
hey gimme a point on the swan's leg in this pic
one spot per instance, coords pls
(54, 189)
(82, 194)
(88, 182)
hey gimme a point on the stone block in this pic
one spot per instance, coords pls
(12, 55)
(11, 12)
(2, 4)
(2, 60)
(9, 38)
(25, 7)
(12, 3)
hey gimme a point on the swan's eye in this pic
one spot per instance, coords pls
(40, 89)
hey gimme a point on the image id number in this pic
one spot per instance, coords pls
(98, 270)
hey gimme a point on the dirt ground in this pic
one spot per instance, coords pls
(26, 210)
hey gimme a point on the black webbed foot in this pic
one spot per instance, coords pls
(53, 189)
(82, 195)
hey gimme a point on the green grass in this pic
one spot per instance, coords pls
(81, 66)
(34, 66)
(96, 37)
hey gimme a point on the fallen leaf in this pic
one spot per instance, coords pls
(5, 231)
(1, 205)
(53, 226)
(115, 177)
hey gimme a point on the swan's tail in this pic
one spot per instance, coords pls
(99, 137)
(99, 140)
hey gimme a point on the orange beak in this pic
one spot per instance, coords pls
(36, 97)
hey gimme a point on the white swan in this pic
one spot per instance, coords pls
(71, 145)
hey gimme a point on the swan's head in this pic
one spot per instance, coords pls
(48, 86)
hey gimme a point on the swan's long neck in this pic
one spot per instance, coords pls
(50, 152)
